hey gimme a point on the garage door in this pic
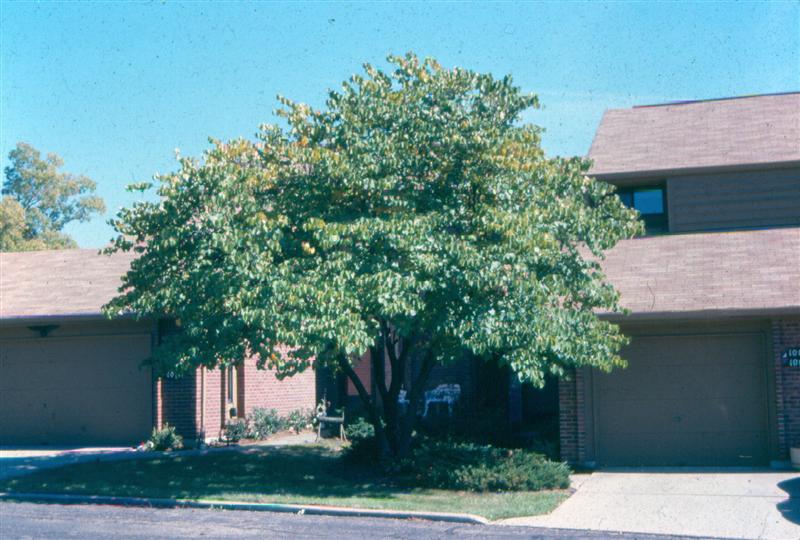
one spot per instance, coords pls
(684, 400)
(75, 391)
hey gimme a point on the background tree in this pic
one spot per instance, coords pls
(413, 217)
(39, 200)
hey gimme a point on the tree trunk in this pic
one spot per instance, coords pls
(393, 426)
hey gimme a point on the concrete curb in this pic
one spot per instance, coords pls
(61, 498)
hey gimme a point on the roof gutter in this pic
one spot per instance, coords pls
(703, 314)
(685, 171)
(65, 317)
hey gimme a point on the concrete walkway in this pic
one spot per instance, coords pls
(19, 461)
(730, 504)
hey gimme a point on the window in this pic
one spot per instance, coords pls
(650, 201)
(229, 376)
(230, 391)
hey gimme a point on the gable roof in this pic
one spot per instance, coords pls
(736, 132)
(58, 283)
(725, 273)
(729, 273)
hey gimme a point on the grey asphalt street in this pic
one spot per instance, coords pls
(25, 520)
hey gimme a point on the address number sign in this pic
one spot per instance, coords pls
(791, 357)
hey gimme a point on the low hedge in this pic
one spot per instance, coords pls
(452, 464)
(474, 467)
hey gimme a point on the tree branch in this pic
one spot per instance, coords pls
(362, 392)
(399, 368)
(416, 390)
(378, 360)
(397, 363)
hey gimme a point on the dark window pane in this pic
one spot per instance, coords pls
(627, 198)
(649, 201)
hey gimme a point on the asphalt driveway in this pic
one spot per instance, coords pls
(725, 504)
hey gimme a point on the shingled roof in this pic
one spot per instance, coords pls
(692, 136)
(727, 273)
(61, 283)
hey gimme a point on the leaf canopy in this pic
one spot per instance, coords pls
(415, 198)
(39, 201)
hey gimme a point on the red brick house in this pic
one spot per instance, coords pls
(70, 376)
(713, 290)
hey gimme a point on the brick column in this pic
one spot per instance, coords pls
(580, 403)
(572, 417)
(568, 418)
(785, 334)
(178, 404)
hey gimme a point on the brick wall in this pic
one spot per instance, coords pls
(785, 334)
(568, 418)
(178, 405)
(196, 404)
(210, 404)
(364, 371)
(572, 417)
(262, 389)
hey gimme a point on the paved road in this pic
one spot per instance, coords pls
(25, 520)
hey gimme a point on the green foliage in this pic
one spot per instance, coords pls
(363, 445)
(473, 467)
(299, 419)
(39, 201)
(12, 227)
(359, 430)
(265, 422)
(261, 423)
(165, 439)
(415, 212)
(235, 431)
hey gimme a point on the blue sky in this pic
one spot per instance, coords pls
(114, 88)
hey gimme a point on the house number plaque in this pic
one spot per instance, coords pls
(791, 357)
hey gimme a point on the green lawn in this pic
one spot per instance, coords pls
(302, 475)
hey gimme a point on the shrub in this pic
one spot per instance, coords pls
(473, 467)
(299, 419)
(363, 445)
(235, 430)
(165, 439)
(265, 422)
(359, 429)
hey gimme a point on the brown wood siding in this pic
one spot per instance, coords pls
(740, 200)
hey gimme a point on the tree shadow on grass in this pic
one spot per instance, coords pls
(288, 471)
